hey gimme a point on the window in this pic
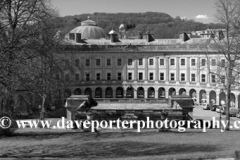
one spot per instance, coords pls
(76, 77)
(129, 62)
(108, 62)
(129, 76)
(161, 76)
(193, 76)
(108, 76)
(213, 62)
(223, 63)
(67, 77)
(150, 76)
(98, 62)
(182, 62)
(193, 62)
(87, 77)
(87, 62)
(172, 62)
(119, 76)
(98, 77)
(72, 36)
(161, 62)
(140, 62)
(203, 78)
(182, 77)
(172, 77)
(151, 62)
(77, 62)
(213, 78)
(119, 62)
(203, 62)
(140, 76)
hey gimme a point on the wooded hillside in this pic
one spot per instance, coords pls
(160, 24)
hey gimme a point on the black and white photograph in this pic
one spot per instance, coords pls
(120, 79)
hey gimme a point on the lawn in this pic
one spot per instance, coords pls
(116, 144)
(127, 144)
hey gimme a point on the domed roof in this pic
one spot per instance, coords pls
(89, 32)
(88, 22)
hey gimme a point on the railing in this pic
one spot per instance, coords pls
(119, 48)
(130, 100)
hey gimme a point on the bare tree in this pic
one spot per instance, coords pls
(27, 34)
(227, 44)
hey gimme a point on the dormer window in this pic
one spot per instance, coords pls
(71, 36)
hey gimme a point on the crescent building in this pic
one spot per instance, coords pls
(143, 69)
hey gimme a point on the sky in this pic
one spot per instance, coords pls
(198, 10)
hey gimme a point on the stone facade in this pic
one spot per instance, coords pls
(147, 71)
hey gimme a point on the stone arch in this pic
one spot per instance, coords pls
(119, 92)
(232, 100)
(193, 94)
(222, 98)
(203, 96)
(212, 97)
(172, 91)
(88, 91)
(77, 91)
(161, 92)
(151, 92)
(109, 92)
(98, 92)
(129, 92)
(182, 91)
(140, 92)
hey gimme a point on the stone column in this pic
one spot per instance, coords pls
(146, 69)
(157, 69)
(208, 73)
(92, 64)
(166, 93)
(124, 71)
(103, 93)
(218, 63)
(177, 92)
(167, 70)
(197, 94)
(188, 70)
(207, 96)
(135, 69)
(124, 93)
(114, 63)
(114, 93)
(177, 70)
(217, 97)
(156, 93)
(134, 93)
(145, 93)
(103, 69)
(198, 70)
(82, 62)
